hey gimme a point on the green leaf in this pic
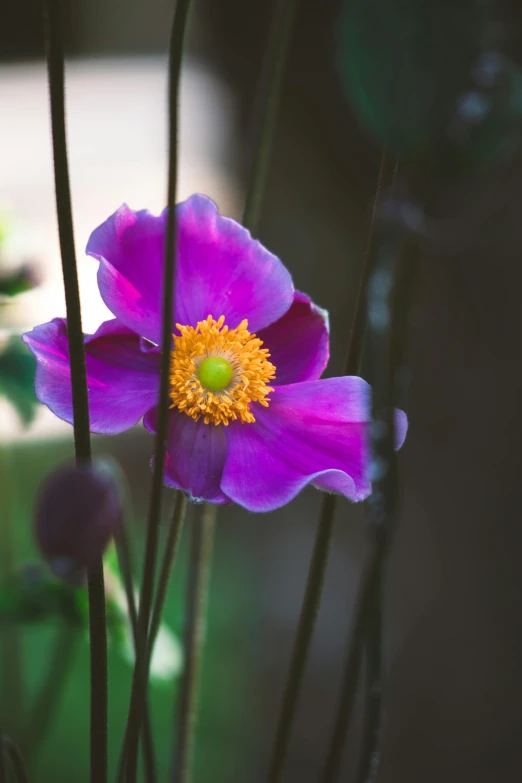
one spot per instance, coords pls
(32, 596)
(18, 281)
(167, 655)
(17, 371)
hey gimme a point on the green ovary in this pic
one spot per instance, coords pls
(215, 373)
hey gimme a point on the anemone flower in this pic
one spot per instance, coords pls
(250, 421)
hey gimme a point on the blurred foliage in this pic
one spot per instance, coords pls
(23, 278)
(17, 371)
(429, 81)
(233, 630)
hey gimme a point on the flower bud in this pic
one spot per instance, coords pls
(79, 509)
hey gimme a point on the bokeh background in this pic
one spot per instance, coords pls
(454, 584)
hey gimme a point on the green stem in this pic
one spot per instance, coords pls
(82, 440)
(48, 699)
(138, 694)
(319, 561)
(202, 534)
(126, 570)
(269, 92)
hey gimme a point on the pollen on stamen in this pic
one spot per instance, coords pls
(250, 372)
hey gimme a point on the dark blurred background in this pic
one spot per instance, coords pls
(454, 586)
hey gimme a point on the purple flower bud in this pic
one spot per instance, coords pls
(79, 510)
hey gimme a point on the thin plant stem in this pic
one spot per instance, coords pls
(368, 583)
(303, 637)
(138, 694)
(202, 535)
(170, 551)
(82, 440)
(269, 98)
(319, 561)
(359, 627)
(126, 570)
(372, 653)
(358, 326)
(391, 293)
(48, 699)
(11, 750)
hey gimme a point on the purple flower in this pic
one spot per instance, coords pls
(250, 421)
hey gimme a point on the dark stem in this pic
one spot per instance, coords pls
(391, 296)
(11, 750)
(126, 570)
(99, 683)
(369, 590)
(138, 695)
(303, 638)
(372, 652)
(48, 699)
(202, 535)
(318, 564)
(82, 441)
(269, 98)
(358, 327)
(368, 584)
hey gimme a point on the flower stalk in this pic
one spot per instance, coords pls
(139, 685)
(82, 440)
(202, 535)
(268, 101)
(321, 550)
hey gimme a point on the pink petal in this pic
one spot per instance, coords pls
(122, 379)
(298, 342)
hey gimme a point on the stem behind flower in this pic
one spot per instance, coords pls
(202, 534)
(139, 685)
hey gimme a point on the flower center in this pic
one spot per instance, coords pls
(216, 372)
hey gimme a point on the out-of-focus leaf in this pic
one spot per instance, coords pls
(167, 656)
(31, 596)
(427, 81)
(19, 280)
(17, 371)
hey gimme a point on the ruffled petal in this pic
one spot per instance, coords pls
(122, 377)
(221, 270)
(129, 247)
(298, 342)
(196, 454)
(314, 432)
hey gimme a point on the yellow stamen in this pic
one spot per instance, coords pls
(251, 372)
